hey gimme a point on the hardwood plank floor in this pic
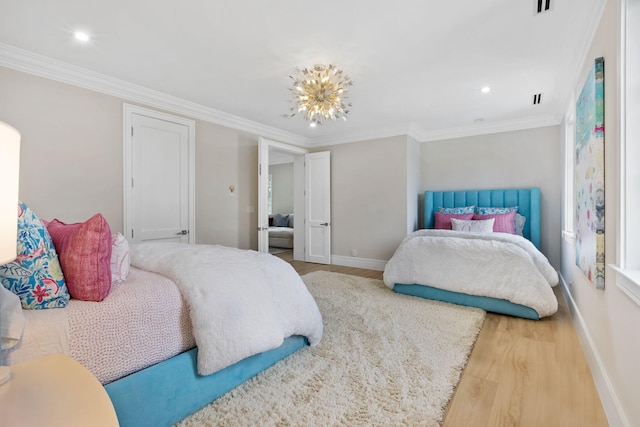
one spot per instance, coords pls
(520, 372)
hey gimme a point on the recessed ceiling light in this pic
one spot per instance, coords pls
(81, 36)
(485, 89)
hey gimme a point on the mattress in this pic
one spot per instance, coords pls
(142, 321)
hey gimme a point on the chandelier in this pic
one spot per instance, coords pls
(319, 94)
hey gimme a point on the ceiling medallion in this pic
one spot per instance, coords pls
(319, 94)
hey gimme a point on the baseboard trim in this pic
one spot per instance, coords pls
(349, 261)
(608, 396)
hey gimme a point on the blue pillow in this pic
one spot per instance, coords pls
(496, 211)
(282, 220)
(458, 211)
(35, 276)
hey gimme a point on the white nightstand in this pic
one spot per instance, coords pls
(53, 391)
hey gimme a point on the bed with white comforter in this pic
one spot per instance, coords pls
(502, 271)
(493, 266)
(228, 302)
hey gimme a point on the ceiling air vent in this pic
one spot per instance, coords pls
(537, 98)
(541, 6)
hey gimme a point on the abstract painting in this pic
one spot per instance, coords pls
(589, 176)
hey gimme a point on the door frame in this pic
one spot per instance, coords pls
(298, 196)
(128, 111)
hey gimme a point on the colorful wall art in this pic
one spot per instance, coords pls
(589, 177)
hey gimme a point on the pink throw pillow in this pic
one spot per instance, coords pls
(84, 250)
(443, 220)
(504, 223)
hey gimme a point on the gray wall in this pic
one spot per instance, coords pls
(526, 158)
(71, 160)
(368, 197)
(414, 183)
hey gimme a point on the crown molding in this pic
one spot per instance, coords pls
(529, 122)
(389, 132)
(42, 66)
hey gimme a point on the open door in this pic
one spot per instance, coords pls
(318, 207)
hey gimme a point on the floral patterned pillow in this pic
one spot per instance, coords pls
(35, 276)
(496, 211)
(458, 211)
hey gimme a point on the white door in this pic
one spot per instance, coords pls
(318, 207)
(263, 182)
(158, 176)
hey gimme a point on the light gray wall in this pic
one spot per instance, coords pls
(282, 188)
(368, 197)
(414, 183)
(519, 159)
(610, 317)
(71, 160)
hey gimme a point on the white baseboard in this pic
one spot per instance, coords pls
(349, 261)
(610, 402)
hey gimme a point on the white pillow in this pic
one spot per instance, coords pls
(120, 258)
(473, 226)
(11, 318)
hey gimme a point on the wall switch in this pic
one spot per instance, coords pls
(353, 252)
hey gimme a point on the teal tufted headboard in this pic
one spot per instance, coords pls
(527, 200)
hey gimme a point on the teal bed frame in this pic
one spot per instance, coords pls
(163, 394)
(528, 202)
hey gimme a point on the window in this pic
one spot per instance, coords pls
(628, 277)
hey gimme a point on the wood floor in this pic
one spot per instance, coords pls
(520, 372)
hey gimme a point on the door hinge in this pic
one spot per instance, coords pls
(132, 233)
(132, 182)
(131, 130)
(260, 169)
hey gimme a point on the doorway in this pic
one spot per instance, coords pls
(311, 200)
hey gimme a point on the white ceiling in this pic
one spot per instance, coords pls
(417, 65)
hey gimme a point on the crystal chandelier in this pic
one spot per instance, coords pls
(319, 93)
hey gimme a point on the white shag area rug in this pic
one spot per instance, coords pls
(385, 359)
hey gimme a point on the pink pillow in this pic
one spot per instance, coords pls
(84, 250)
(504, 223)
(443, 220)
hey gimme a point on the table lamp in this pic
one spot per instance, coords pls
(9, 175)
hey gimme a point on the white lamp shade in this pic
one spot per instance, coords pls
(9, 175)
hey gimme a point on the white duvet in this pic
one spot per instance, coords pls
(497, 265)
(241, 302)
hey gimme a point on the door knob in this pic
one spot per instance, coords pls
(182, 233)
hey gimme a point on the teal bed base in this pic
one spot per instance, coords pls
(528, 201)
(163, 394)
(494, 305)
